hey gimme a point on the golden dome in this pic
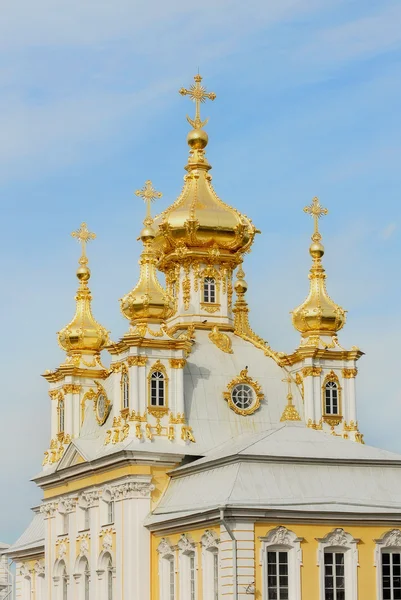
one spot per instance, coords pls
(148, 301)
(83, 335)
(199, 220)
(318, 315)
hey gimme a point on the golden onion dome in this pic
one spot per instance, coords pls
(318, 315)
(83, 335)
(148, 301)
(199, 220)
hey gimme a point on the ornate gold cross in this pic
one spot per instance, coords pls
(83, 235)
(288, 380)
(317, 211)
(149, 195)
(199, 95)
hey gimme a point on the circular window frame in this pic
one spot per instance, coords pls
(102, 392)
(244, 379)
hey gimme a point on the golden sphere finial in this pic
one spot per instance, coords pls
(197, 139)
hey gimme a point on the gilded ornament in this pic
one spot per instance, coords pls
(300, 383)
(244, 378)
(332, 420)
(178, 419)
(349, 373)
(177, 363)
(318, 316)
(312, 371)
(83, 335)
(352, 426)
(290, 412)
(71, 388)
(187, 434)
(101, 405)
(221, 340)
(210, 307)
(137, 361)
(315, 424)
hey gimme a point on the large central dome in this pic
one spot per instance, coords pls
(198, 222)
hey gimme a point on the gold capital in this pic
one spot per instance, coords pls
(83, 235)
(317, 211)
(199, 95)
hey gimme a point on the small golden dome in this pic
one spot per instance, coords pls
(240, 285)
(148, 301)
(318, 315)
(197, 139)
(83, 335)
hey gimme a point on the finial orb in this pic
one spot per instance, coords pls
(316, 250)
(83, 273)
(240, 286)
(197, 139)
(147, 234)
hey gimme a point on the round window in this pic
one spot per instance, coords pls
(242, 396)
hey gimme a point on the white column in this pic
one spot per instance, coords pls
(309, 399)
(317, 396)
(134, 388)
(179, 394)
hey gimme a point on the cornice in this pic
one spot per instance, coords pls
(71, 371)
(317, 353)
(135, 340)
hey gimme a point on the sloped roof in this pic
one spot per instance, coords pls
(33, 536)
(290, 468)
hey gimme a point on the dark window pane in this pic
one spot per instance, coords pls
(328, 558)
(396, 559)
(339, 559)
(386, 558)
(282, 557)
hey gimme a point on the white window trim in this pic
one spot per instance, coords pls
(339, 540)
(390, 541)
(278, 539)
(210, 546)
(187, 548)
(166, 551)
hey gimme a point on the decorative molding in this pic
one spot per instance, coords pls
(62, 548)
(137, 361)
(165, 548)
(338, 538)
(132, 489)
(72, 388)
(177, 363)
(315, 424)
(185, 544)
(281, 538)
(221, 340)
(311, 371)
(391, 539)
(68, 504)
(49, 509)
(209, 539)
(107, 541)
(89, 499)
(349, 373)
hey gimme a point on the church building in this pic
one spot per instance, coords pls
(192, 461)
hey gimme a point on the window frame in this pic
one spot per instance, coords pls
(167, 559)
(209, 289)
(188, 566)
(158, 410)
(61, 415)
(125, 389)
(389, 542)
(210, 552)
(281, 539)
(332, 419)
(339, 540)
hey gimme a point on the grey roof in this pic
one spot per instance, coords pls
(290, 468)
(33, 536)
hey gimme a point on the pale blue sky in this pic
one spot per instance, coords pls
(308, 103)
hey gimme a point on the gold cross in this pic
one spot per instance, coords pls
(83, 235)
(199, 95)
(289, 380)
(316, 210)
(149, 194)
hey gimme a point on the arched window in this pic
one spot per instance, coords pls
(388, 564)
(338, 562)
(86, 581)
(210, 565)
(125, 390)
(331, 398)
(282, 559)
(61, 415)
(167, 570)
(157, 389)
(209, 289)
(109, 579)
(187, 568)
(64, 583)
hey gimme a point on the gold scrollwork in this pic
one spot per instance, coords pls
(349, 373)
(210, 307)
(101, 409)
(315, 424)
(177, 363)
(137, 361)
(221, 340)
(311, 371)
(244, 379)
(71, 388)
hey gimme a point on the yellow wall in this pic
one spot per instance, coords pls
(195, 535)
(309, 571)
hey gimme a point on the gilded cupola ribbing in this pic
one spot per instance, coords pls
(198, 221)
(148, 301)
(318, 316)
(83, 335)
